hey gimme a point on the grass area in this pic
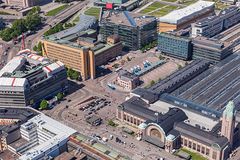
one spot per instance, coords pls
(152, 7)
(194, 156)
(220, 5)
(170, 0)
(188, 2)
(93, 11)
(76, 20)
(56, 10)
(4, 13)
(163, 11)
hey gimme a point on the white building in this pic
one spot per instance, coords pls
(41, 136)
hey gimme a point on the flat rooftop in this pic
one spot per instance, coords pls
(126, 18)
(180, 15)
(23, 114)
(58, 132)
(19, 71)
(194, 118)
(211, 43)
(19, 143)
(230, 35)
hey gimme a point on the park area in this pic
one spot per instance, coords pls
(56, 10)
(158, 9)
(93, 11)
(194, 155)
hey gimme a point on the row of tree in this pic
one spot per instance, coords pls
(20, 26)
(44, 103)
(59, 27)
(72, 74)
(38, 48)
(149, 46)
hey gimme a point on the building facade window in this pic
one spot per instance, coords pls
(203, 150)
(194, 146)
(189, 144)
(214, 155)
(207, 151)
(198, 148)
(185, 142)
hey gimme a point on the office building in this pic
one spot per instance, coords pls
(211, 49)
(175, 44)
(25, 3)
(134, 30)
(127, 81)
(33, 135)
(29, 78)
(43, 136)
(11, 120)
(212, 25)
(182, 18)
(82, 52)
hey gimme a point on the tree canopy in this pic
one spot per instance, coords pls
(43, 104)
(72, 74)
(59, 96)
(19, 26)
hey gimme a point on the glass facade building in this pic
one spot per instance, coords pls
(175, 46)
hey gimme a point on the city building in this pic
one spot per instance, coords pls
(134, 30)
(43, 136)
(10, 122)
(126, 5)
(212, 25)
(33, 135)
(82, 52)
(205, 90)
(127, 80)
(173, 129)
(175, 44)
(25, 3)
(213, 50)
(28, 78)
(182, 18)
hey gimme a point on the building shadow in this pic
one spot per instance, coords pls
(73, 87)
(101, 71)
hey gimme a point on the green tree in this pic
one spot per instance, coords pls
(70, 72)
(152, 82)
(60, 96)
(75, 75)
(35, 48)
(111, 123)
(179, 66)
(6, 34)
(43, 104)
(19, 26)
(32, 21)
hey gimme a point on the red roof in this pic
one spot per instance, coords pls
(109, 6)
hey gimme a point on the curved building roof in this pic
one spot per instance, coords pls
(167, 120)
(189, 12)
(84, 23)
